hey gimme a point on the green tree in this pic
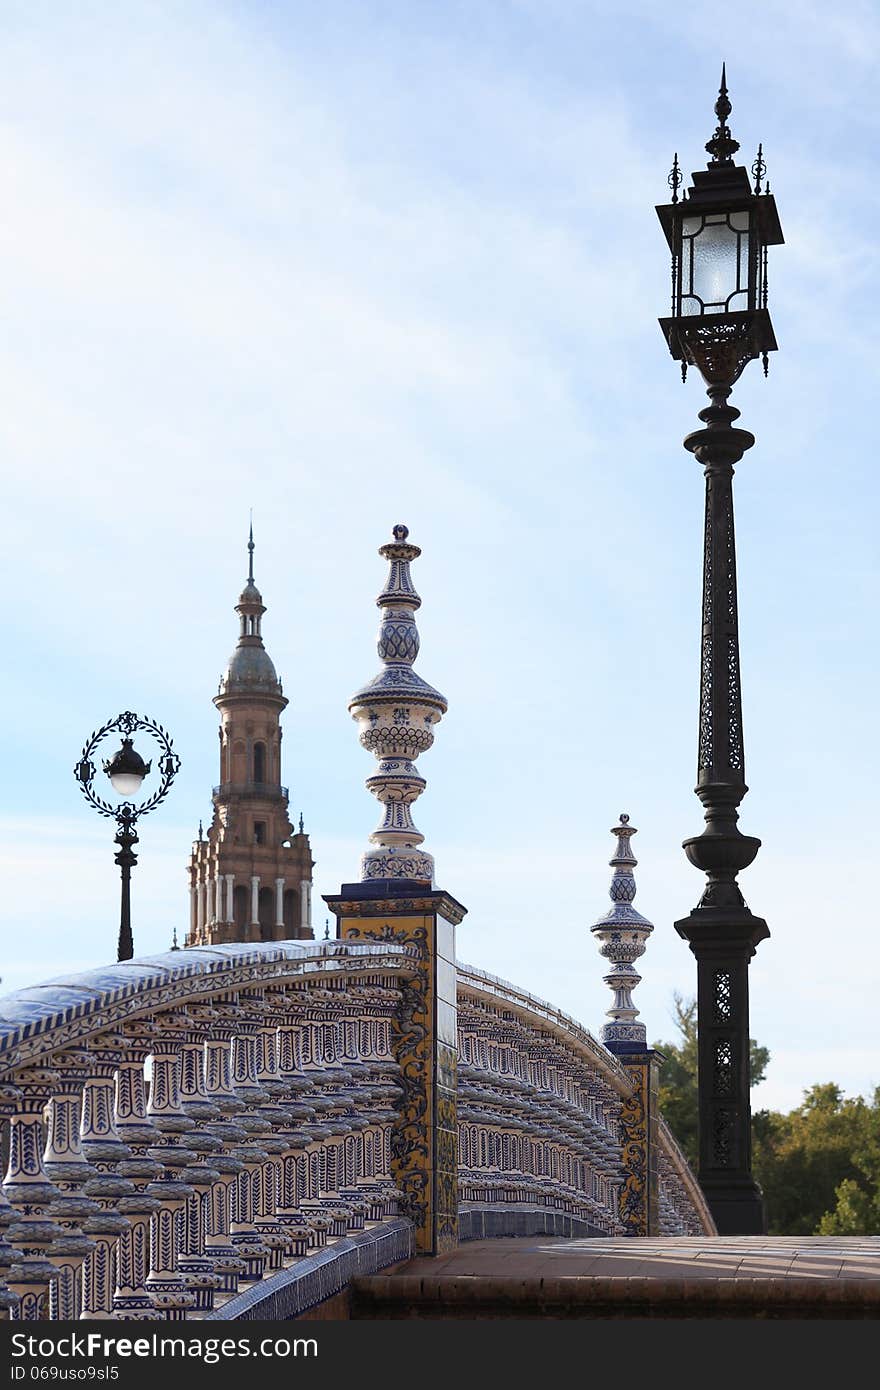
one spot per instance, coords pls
(678, 1076)
(819, 1165)
(857, 1200)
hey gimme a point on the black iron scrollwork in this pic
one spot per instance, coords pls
(126, 724)
(126, 813)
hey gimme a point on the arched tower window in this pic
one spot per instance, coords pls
(259, 762)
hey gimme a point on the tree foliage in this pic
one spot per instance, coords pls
(819, 1165)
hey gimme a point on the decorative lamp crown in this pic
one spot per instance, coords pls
(623, 933)
(126, 769)
(718, 233)
(397, 711)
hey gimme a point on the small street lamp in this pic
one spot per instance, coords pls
(127, 772)
(718, 234)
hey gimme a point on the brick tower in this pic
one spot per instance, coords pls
(251, 876)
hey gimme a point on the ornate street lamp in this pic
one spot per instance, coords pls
(718, 233)
(126, 771)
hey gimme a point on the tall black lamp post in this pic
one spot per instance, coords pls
(718, 233)
(126, 771)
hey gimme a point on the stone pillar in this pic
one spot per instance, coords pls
(279, 902)
(623, 932)
(424, 1140)
(255, 900)
(193, 910)
(209, 900)
(639, 1200)
(396, 901)
(230, 897)
(305, 907)
(200, 910)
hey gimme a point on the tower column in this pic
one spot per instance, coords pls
(193, 908)
(220, 913)
(255, 900)
(305, 906)
(230, 897)
(209, 900)
(279, 902)
(200, 911)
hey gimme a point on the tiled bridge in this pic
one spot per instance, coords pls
(241, 1131)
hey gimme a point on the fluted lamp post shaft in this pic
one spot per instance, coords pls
(718, 233)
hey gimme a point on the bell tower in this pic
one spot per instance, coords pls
(251, 875)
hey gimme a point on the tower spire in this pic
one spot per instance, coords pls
(623, 933)
(250, 668)
(397, 711)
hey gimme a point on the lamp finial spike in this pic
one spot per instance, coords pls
(759, 170)
(722, 147)
(674, 179)
(251, 550)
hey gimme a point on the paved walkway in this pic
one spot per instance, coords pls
(747, 1276)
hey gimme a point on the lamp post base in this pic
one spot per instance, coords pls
(737, 1208)
(723, 940)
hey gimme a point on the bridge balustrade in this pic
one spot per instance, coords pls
(215, 1132)
(683, 1208)
(538, 1125)
(262, 1133)
(540, 1132)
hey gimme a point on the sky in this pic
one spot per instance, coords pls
(355, 264)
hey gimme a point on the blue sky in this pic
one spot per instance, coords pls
(354, 264)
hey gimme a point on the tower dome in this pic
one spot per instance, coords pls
(250, 595)
(250, 668)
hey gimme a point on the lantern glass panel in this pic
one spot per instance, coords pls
(715, 263)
